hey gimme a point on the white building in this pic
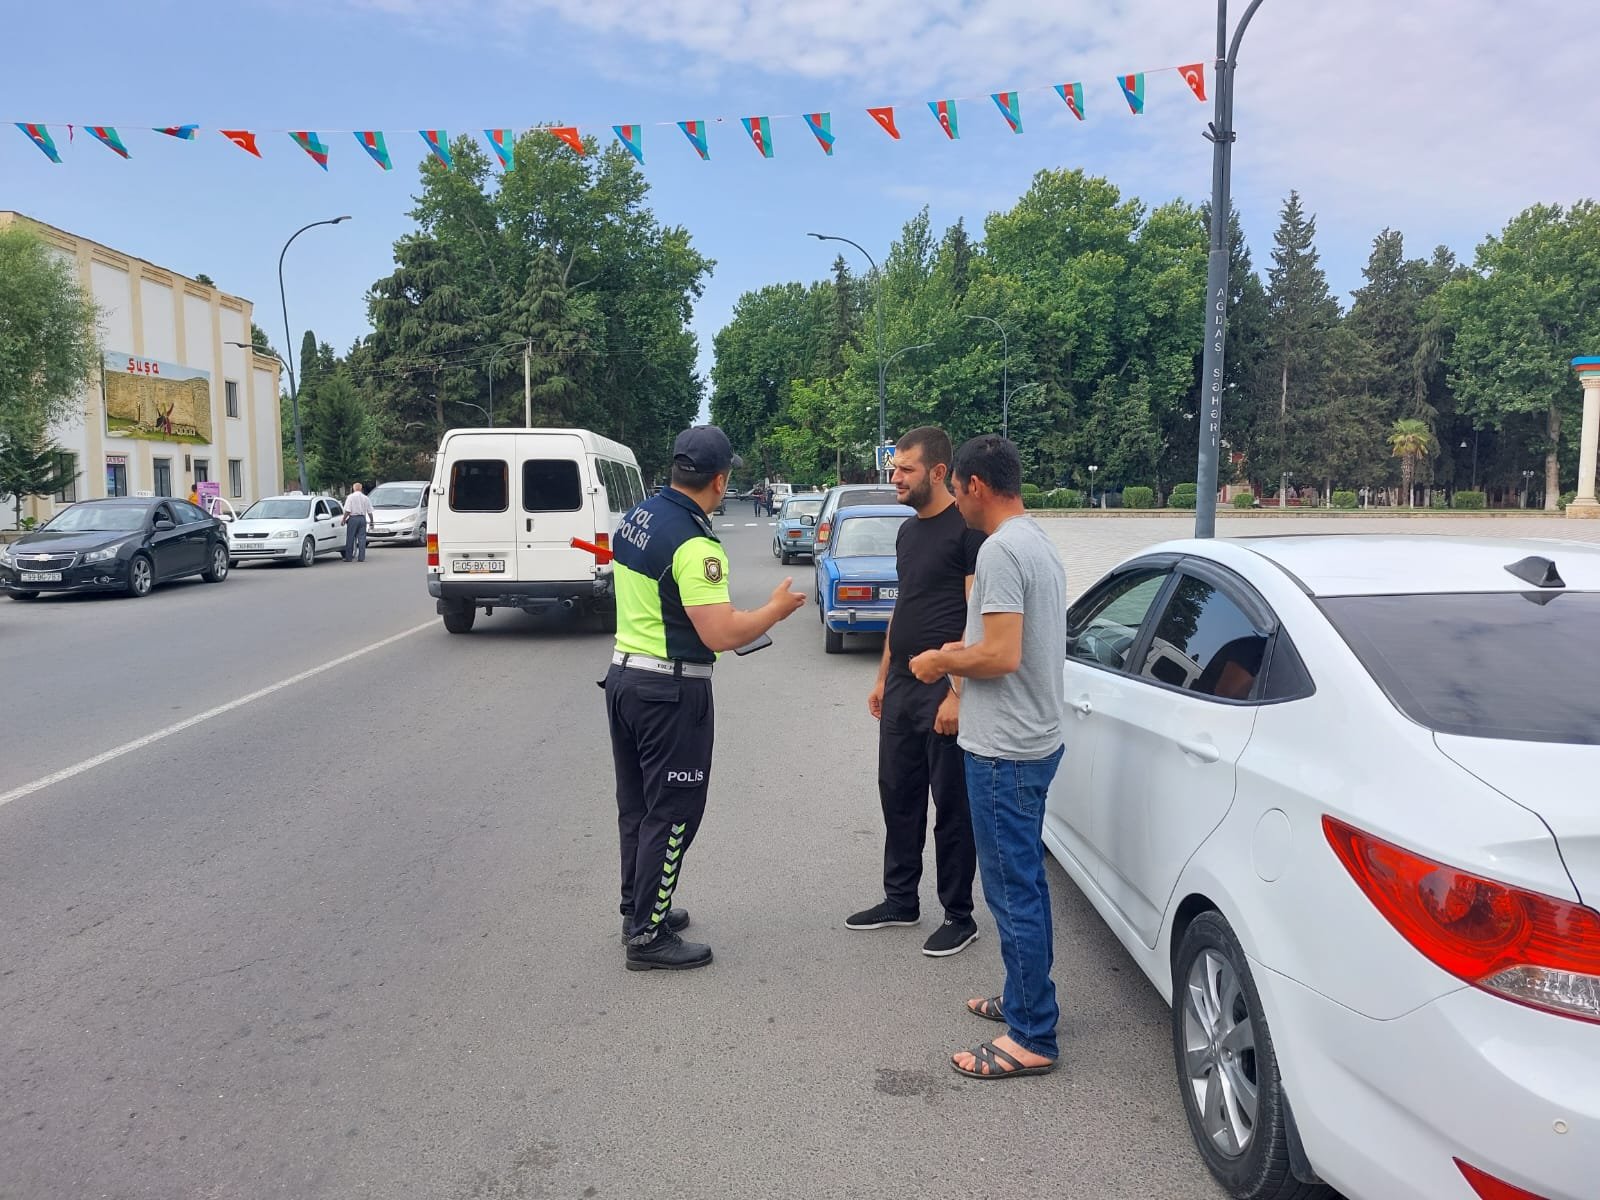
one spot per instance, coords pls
(174, 404)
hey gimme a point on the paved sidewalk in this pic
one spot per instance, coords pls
(1091, 544)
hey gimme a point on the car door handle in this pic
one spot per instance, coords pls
(1082, 707)
(1206, 752)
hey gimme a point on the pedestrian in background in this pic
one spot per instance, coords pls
(673, 617)
(935, 556)
(1011, 732)
(357, 515)
(194, 493)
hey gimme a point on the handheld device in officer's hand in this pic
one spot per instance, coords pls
(761, 643)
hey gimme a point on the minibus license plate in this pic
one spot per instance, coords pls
(480, 566)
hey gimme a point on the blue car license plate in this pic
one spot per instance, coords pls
(888, 593)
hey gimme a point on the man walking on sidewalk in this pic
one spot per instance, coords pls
(1010, 660)
(357, 516)
(935, 555)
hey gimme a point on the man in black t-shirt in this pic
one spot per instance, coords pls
(936, 555)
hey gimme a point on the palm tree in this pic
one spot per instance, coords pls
(1410, 440)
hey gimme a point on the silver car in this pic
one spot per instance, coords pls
(400, 512)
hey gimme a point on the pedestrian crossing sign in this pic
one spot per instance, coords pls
(886, 457)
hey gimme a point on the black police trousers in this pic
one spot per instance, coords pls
(913, 761)
(662, 732)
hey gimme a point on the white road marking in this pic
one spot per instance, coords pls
(749, 524)
(150, 739)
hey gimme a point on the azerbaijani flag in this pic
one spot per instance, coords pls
(760, 131)
(372, 142)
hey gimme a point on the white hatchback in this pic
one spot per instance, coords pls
(1337, 796)
(293, 528)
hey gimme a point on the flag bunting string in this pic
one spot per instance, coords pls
(759, 129)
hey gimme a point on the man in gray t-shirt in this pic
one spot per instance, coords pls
(1011, 699)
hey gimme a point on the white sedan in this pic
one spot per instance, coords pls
(1337, 796)
(293, 528)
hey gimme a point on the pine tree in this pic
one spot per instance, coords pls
(31, 465)
(342, 451)
(1301, 318)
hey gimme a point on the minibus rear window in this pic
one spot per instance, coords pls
(479, 485)
(551, 485)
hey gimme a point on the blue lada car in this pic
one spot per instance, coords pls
(857, 580)
(797, 528)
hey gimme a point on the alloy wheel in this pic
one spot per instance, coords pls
(141, 576)
(1220, 1054)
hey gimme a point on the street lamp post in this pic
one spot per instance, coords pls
(1005, 368)
(1221, 136)
(479, 407)
(877, 304)
(294, 394)
(1527, 486)
(282, 362)
(1092, 470)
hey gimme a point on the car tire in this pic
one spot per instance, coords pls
(832, 641)
(141, 576)
(777, 552)
(1222, 1051)
(221, 564)
(786, 559)
(422, 536)
(233, 564)
(308, 554)
(24, 595)
(459, 620)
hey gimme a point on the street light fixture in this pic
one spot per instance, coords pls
(1527, 486)
(1092, 470)
(1005, 367)
(294, 395)
(878, 306)
(479, 407)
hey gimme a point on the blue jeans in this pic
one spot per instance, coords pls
(1007, 799)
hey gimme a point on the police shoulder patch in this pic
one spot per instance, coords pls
(713, 570)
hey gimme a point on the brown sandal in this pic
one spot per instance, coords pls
(988, 1009)
(990, 1064)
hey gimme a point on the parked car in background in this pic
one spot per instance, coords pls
(857, 576)
(400, 512)
(797, 527)
(1336, 797)
(845, 495)
(292, 528)
(120, 544)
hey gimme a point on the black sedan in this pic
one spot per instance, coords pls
(116, 545)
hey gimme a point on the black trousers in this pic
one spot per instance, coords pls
(662, 732)
(913, 761)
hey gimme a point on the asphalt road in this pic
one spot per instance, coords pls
(357, 936)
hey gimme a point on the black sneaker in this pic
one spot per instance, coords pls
(881, 916)
(951, 938)
(677, 921)
(666, 951)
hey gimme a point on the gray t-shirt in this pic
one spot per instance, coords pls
(1018, 716)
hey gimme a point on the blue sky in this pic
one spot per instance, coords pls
(1441, 118)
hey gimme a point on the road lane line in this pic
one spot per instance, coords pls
(149, 739)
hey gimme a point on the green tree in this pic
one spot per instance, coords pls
(1302, 316)
(1410, 440)
(31, 465)
(49, 337)
(1529, 306)
(342, 451)
(260, 340)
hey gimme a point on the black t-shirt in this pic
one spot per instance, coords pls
(935, 556)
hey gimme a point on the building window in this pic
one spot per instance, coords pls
(202, 470)
(163, 468)
(236, 478)
(68, 466)
(117, 475)
(230, 389)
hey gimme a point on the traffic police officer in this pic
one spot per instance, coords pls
(673, 617)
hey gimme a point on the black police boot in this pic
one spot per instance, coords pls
(677, 921)
(666, 951)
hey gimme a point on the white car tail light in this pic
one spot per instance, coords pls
(1534, 949)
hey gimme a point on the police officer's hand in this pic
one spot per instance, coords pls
(786, 603)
